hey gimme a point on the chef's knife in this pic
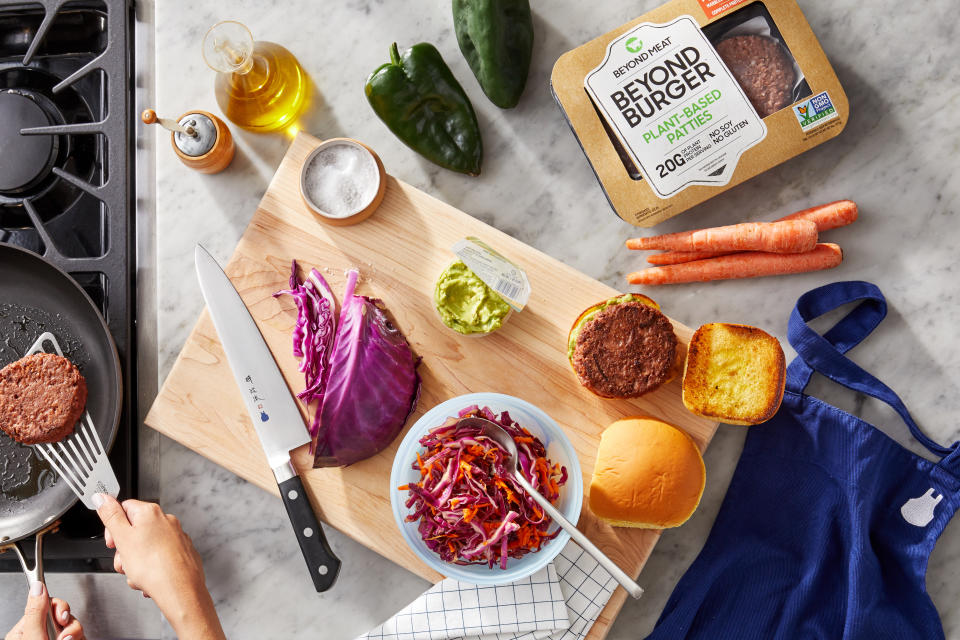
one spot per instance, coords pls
(274, 413)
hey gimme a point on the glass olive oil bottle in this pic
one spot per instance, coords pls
(260, 86)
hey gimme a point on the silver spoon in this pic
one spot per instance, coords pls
(499, 435)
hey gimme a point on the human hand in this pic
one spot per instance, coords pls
(33, 624)
(153, 551)
(159, 560)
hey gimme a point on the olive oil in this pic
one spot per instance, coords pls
(260, 86)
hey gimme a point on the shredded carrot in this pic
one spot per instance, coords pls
(511, 496)
(475, 450)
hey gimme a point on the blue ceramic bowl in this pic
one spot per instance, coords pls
(559, 450)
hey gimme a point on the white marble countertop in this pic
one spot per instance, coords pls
(896, 158)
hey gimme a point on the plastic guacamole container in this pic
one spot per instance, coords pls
(477, 292)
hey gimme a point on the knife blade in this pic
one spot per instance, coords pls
(272, 409)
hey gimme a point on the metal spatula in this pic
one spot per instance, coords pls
(79, 458)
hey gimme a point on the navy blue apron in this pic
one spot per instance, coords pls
(828, 523)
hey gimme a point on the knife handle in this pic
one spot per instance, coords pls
(323, 564)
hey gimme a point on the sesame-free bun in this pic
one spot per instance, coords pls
(734, 373)
(648, 474)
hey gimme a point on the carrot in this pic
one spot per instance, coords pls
(741, 265)
(790, 236)
(679, 257)
(826, 216)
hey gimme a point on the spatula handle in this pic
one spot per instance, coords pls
(323, 564)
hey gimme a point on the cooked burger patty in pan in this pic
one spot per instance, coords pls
(625, 351)
(41, 398)
(762, 68)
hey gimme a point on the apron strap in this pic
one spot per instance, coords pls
(846, 334)
(824, 354)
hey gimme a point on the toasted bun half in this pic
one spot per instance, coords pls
(734, 373)
(648, 475)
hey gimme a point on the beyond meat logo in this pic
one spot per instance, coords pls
(658, 87)
(815, 111)
(634, 45)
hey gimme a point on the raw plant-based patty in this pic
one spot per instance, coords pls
(41, 398)
(762, 68)
(625, 351)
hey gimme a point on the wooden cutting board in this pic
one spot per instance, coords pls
(400, 251)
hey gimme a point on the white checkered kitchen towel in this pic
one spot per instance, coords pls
(560, 602)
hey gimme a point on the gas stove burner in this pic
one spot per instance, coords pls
(28, 170)
(25, 159)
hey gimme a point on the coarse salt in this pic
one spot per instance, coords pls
(341, 180)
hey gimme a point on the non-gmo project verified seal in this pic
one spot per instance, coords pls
(815, 111)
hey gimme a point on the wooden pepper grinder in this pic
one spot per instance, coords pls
(200, 139)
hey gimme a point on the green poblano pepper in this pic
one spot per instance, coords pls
(496, 38)
(417, 97)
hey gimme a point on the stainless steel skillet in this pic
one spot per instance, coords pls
(36, 296)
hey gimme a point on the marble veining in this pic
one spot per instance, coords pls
(896, 158)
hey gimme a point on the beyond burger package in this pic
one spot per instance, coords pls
(695, 97)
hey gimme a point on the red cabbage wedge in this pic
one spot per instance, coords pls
(363, 374)
(373, 385)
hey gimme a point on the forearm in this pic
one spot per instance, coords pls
(194, 618)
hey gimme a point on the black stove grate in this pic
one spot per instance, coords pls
(66, 191)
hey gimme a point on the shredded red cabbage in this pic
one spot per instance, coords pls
(312, 334)
(470, 509)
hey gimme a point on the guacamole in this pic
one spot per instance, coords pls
(465, 303)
